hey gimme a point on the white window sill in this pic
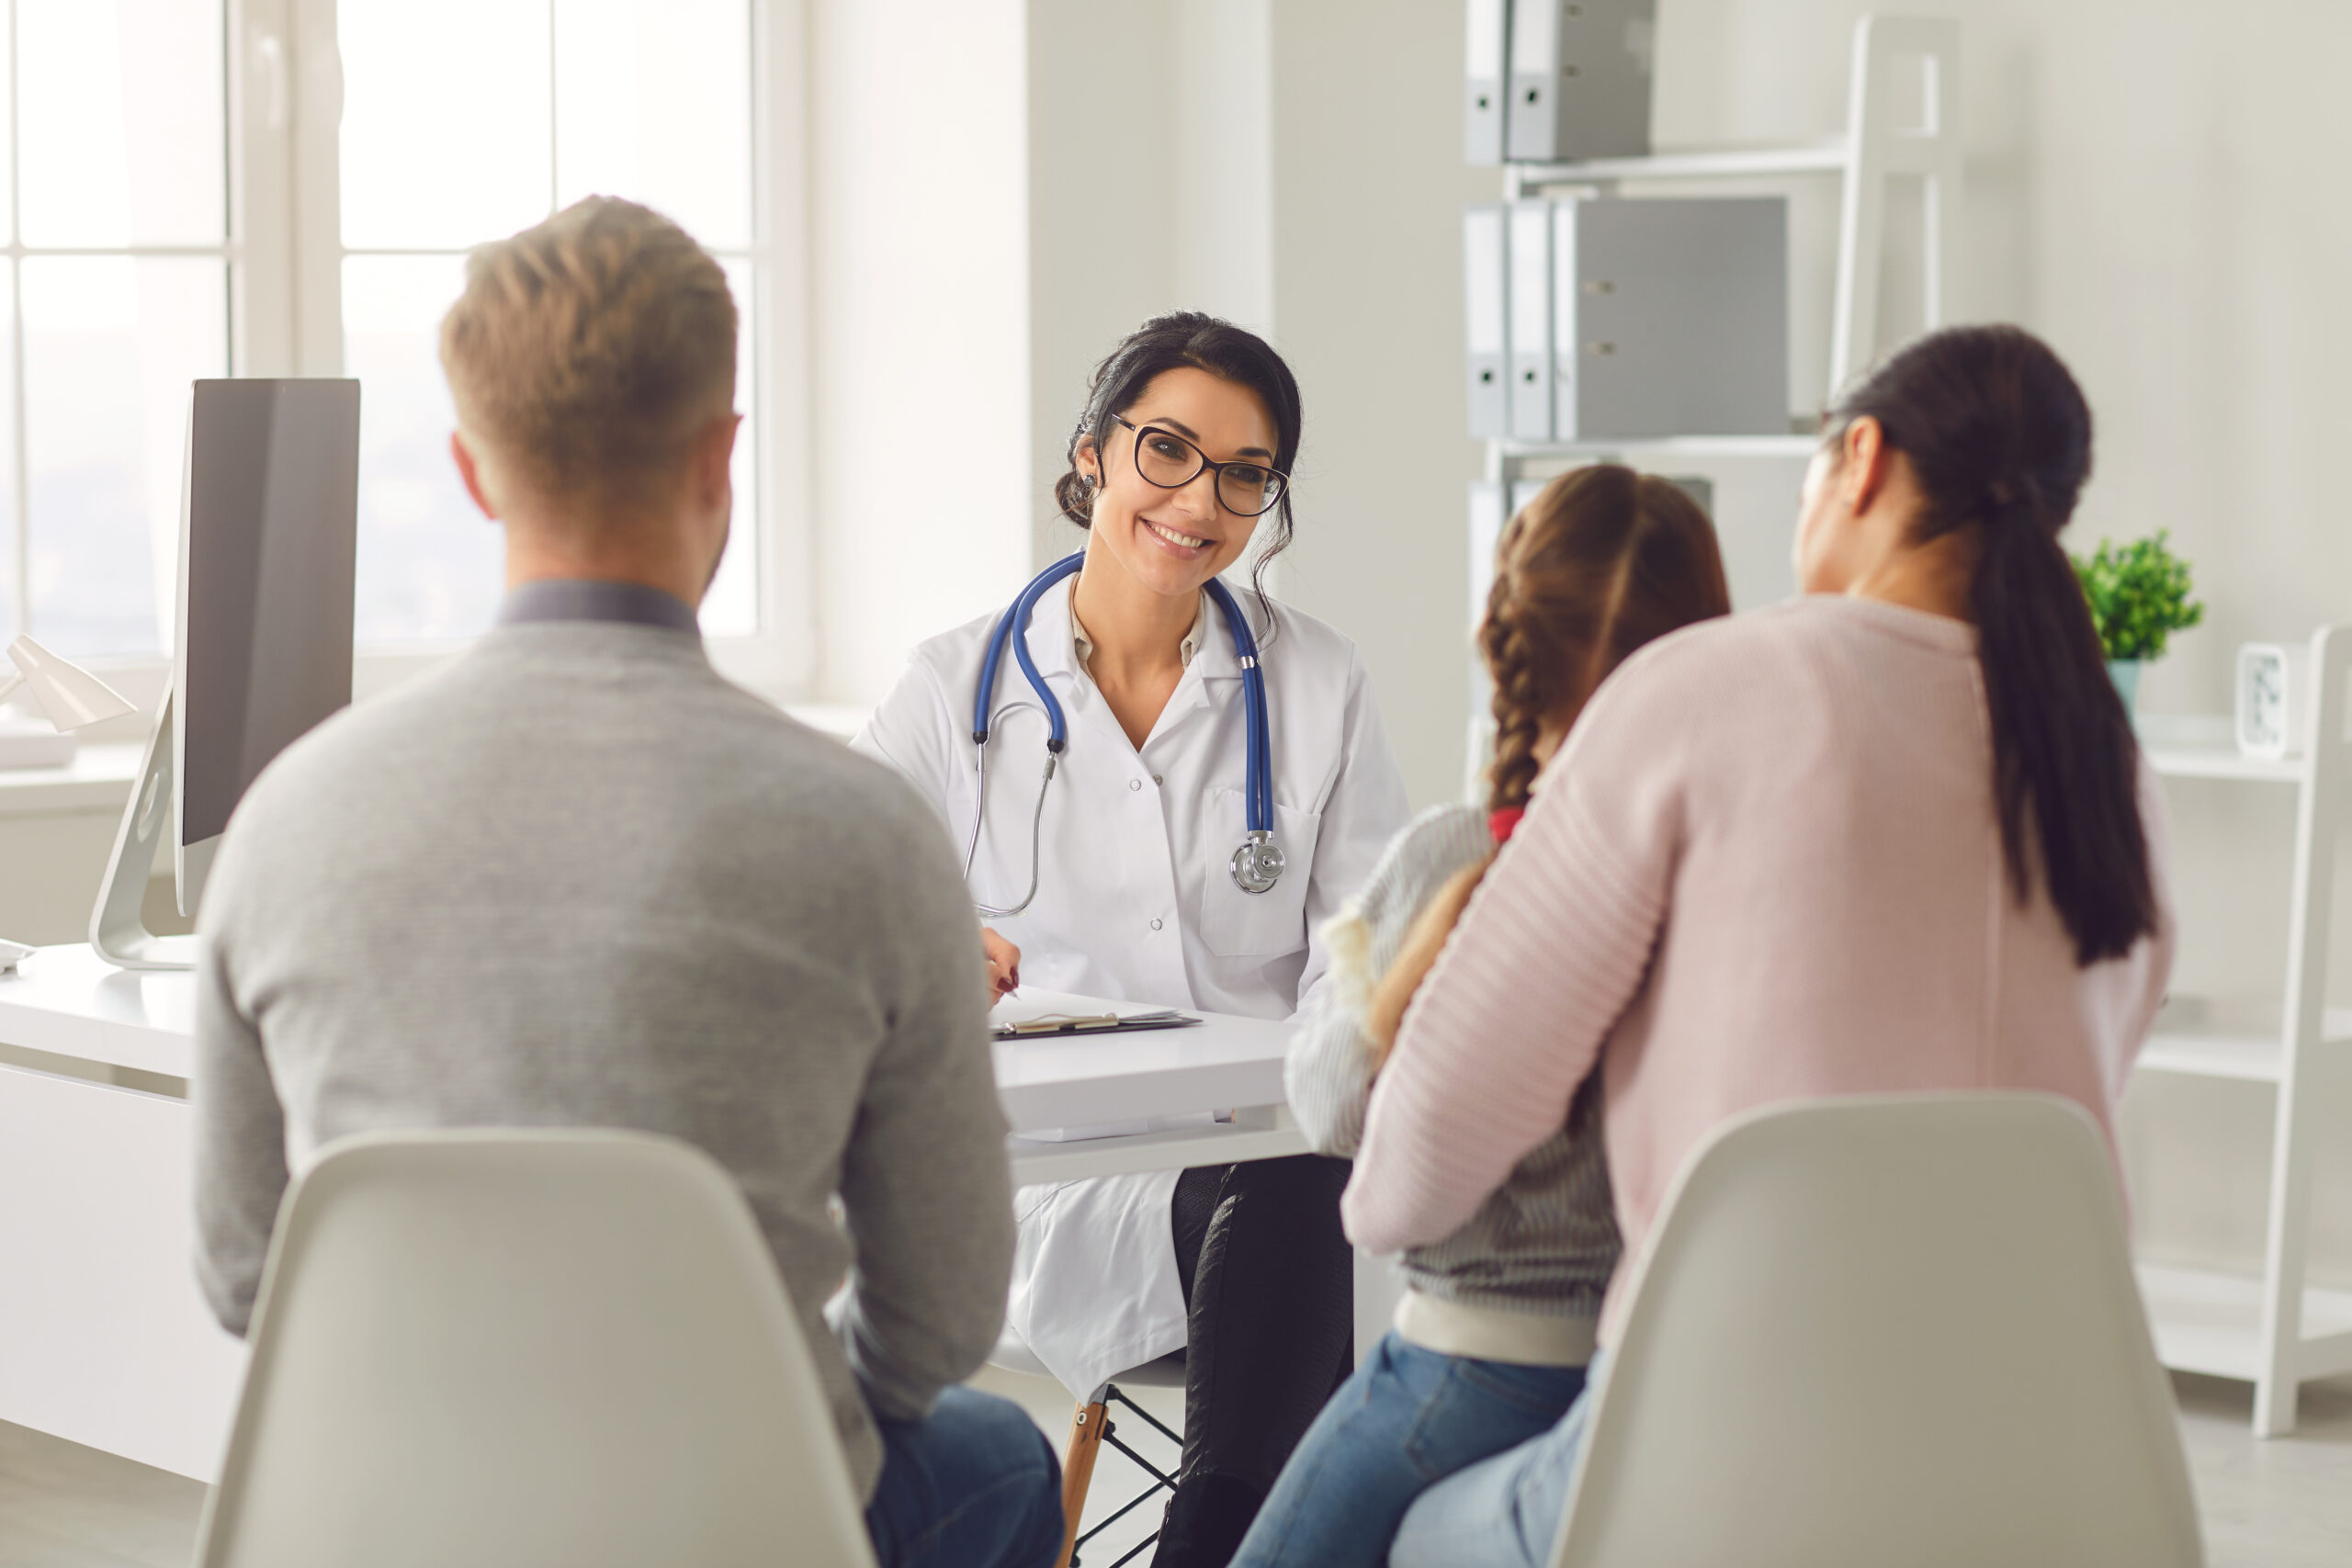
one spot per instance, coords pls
(98, 778)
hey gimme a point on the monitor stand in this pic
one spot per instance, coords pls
(118, 925)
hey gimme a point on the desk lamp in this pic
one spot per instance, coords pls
(69, 698)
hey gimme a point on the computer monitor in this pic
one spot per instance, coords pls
(269, 535)
(261, 651)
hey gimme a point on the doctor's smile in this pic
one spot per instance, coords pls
(1184, 546)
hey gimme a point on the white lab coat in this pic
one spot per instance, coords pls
(1136, 899)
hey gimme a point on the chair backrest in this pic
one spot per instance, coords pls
(514, 1349)
(1887, 1329)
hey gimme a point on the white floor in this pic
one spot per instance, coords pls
(2286, 1503)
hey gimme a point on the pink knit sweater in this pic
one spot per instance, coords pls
(1766, 865)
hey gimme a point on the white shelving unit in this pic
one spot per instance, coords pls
(1875, 148)
(2272, 1329)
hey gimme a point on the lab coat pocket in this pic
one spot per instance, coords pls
(1235, 924)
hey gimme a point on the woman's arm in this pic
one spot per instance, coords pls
(1552, 945)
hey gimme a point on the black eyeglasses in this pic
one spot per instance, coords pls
(1167, 460)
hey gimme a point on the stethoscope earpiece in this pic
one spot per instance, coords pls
(1258, 864)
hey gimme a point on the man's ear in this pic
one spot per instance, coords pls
(469, 471)
(714, 457)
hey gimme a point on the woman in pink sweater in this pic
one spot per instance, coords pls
(1892, 835)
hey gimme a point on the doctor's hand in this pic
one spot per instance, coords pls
(1423, 942)
(1004, 965)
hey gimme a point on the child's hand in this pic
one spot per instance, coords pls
(1423, 942)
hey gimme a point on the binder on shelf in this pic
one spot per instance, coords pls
(1486, 519)
(1486, 81)
(1669, 318)
(1581, 79)
(1530, 268)
(1485, 293)
(1492, 506)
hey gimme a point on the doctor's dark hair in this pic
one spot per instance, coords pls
(1999, 436)
(1603, 561)
(1204, 342)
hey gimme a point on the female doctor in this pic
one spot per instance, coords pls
(1140, 873)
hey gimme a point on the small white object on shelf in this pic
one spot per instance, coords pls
(2272, 684)
(69, 698)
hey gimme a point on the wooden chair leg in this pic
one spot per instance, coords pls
(1077, 1472)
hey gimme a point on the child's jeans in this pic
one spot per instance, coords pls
(1405, 1420)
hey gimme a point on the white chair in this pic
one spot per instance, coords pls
(1091, 1427)
(509, 1349)
(1888, 1329)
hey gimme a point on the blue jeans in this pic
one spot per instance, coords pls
(1407, 1419)
(972, 1484)
(1505, 1512)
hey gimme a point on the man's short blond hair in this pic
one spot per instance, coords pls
(587, 352)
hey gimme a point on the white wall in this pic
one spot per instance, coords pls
(918, 280)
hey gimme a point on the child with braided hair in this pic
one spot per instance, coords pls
(1495, 1327)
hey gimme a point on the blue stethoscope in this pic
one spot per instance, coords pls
(1257, 864)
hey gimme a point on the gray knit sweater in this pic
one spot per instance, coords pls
(579, 879)
(1546, 1241)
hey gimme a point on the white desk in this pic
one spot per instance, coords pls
(103, 1338)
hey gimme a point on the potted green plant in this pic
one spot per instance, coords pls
(2139, 597)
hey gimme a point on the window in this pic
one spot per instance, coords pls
(118, 296)
(183, 202)
(444, 146)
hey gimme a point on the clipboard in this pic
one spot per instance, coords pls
(1042, 1014)
(1055, 1024)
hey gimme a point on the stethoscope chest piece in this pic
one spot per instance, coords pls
(1258, 863)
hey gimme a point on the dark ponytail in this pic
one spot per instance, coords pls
(1999, 437)
(1171, 343)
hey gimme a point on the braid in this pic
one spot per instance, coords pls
(1521, 701)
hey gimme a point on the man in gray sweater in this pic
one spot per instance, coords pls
(576, 879)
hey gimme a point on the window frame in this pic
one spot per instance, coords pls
(284, 94)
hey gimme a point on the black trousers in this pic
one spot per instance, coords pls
(1269, 1290)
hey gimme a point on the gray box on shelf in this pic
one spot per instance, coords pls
(1669, 318)
(1581, 79)
(1699, 488)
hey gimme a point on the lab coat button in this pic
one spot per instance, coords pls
(1157, 779)
(1135, 783)
(1155, 925)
